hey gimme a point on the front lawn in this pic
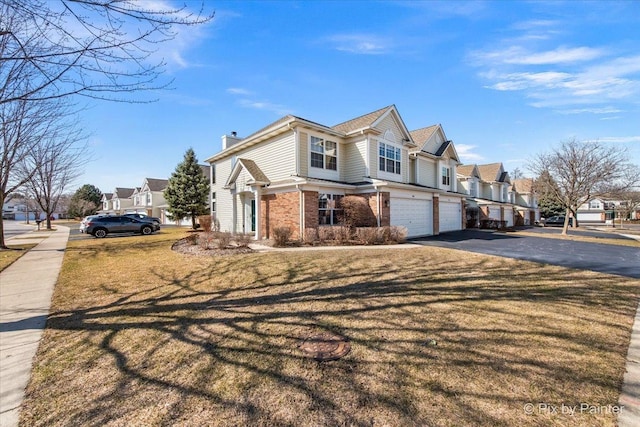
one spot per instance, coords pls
(141, 335)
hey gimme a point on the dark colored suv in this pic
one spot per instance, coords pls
(104, 225)
(143, 217)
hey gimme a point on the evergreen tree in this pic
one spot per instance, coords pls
(85, 201)
(188, 190)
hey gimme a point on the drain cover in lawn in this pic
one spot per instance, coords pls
(325, 346)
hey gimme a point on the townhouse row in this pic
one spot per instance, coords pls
(295, 171)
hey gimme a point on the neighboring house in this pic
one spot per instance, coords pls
(21, 209)
(594, 211)
(121, 200)
(107, 203)
(294, 172)
(493, 198)
(526, 201)
(149, 198)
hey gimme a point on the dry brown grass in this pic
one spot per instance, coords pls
(9, 256)
(140, 335)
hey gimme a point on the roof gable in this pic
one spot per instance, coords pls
(155, 184)
(468, 171)
(123, 193)
(362, 122)
(256, 174)
(492, 172)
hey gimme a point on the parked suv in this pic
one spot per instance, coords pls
(557, 220)
(102, 226)
(143, 217)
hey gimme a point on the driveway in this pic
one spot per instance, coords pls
(603, 258)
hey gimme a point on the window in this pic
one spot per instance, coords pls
(594, 204)
(323, 154)
(149, 199)
(329, 209)
(446, 176)
(213, 202)
(473, 188)
(389, 158)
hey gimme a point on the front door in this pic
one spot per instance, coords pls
(253, 214)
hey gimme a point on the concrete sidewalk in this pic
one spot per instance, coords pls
(26, 287)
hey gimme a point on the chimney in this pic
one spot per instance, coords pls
(229, 140)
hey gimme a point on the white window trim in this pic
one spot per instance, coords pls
(392, 176)
(323, 172)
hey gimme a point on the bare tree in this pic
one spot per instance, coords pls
(57, 162)
(24, 127)
(98, 49)
(580, 171)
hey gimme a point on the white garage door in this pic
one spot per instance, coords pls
(450, 216)
(415, 215)
(508, 216)
(590, 216)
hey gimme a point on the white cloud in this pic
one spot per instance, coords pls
(465, 151)
(266, 106)
(617, 139)
(239, 91)
(592, 110)
(361, 44)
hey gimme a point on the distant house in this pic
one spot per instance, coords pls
(494, 199)
(294, 172)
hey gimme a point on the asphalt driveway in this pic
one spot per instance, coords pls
(603, 258)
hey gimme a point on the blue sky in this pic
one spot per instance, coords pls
(507, 80)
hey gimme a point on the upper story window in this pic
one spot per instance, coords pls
(473, 188)
(446, 175)
(148, 197)
(594, 204)
(389, 158)
(324, 154)
(505, 194)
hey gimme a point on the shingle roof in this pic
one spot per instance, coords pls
(443, 148)
(254, 170)
(123, 193)
(107, 195)
(157, 184)
(523, 185)
(489, 172)
(420, 136)
(465, 170)
(360, 122)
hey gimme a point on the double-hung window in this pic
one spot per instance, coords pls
(446, 175)
(213, 202)
(389, 158)
(329, 210)
(324, 154)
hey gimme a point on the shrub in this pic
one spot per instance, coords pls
(242, 240)
(356, 212)
(223, 239)
(341, 234)
(367, 235)
(206, 239)
(398, 234)
(192, 239)
(281, 236)
(325, 233)
(205, 222)
(384, 234)
(310, 235)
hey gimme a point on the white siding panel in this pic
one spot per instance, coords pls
(427, 173)
(354, 164)
(276, 158)
(304, 153)
(224, 200)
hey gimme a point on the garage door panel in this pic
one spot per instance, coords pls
(450, 216)
(415, 215)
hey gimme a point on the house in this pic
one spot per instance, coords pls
(594, 211)
(294, 172)
(120, 201)
(107, 204)
(149, 198)
(526, 201)
(493, 198)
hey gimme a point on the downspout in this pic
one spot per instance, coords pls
(302, 210)
(379, 206)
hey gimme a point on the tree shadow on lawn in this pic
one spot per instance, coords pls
(219, 345)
